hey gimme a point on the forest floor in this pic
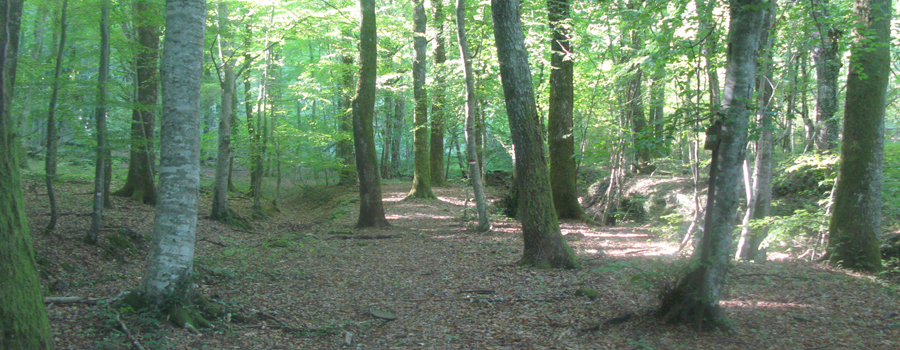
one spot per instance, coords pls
(304, 278)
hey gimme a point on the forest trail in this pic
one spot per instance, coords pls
(305, 279)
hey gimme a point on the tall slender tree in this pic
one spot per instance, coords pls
(856, 217)
(52, 133)
(438, 115)
(474, 173)
(421, 186)
(220, 210)
(167, 280)
(695, 298)
(139, 183)
(544, 244)
(23, 318)
(101, 188)
(371, 207)
(347, 175)
(561, 133)
(828, 66)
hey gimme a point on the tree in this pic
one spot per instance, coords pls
(139, 183)
(345, 119)
(484, 223)
(856, 217)
(438, 115)
(101, 178)
(828, 65)
(695, 298)
(561, 134)
(544, 245)
(371, 208)
(52, 134)
(167, 280)
(23, 318)
(421, 186)
(220, 210)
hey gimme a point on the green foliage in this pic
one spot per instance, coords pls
(801, 229)
(890, 190)
(810, 174)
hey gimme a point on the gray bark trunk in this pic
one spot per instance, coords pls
(220, 210)
(828, 65)
(421, 186)
(171, 261)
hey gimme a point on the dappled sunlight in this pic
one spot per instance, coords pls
(765, 304)
(417, 216)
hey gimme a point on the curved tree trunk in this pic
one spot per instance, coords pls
(52, 134)
(23, 318)
(544, 245)
(561, 136)
(853, 239)
(371, 208)
(484, 223)
(695, 298)
(167, 280)
(421, 186)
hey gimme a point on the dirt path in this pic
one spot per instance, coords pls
(304, 281)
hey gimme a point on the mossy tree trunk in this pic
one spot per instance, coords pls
(561, 136)
(853, 239)
(421, 186)
(695, 298)
(544, 245)
(371, 207)
(139, 183)
(23, 318)
(167, 281)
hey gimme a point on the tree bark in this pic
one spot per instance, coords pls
(220, 211)
(167, 279)
(484, 223)
(828, 65)
(371, 208)
(139, 183)
(438, 115)
(544, 245)
(853, 240)
(561, 134)
(421, 186)
(347, 176)
(52, 133)
(23, 318)
(761, 197)
(695, 298)
(101, 188)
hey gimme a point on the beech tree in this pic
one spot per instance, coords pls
(421, 186)
(23, 318)
(544, 244)
(853, 234)
(695, 298)
(371, 208)
(167, 280)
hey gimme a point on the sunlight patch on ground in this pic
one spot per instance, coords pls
(412, 216)
(765, 304)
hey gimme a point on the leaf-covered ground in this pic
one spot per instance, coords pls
(304, 279)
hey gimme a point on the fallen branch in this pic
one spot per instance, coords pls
(223, 245)
(128, 333)
(365, 237)
(71, 300)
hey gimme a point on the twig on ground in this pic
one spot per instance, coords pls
(134, 341)
(213, 242)
(71, 300)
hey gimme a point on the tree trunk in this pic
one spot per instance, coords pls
(828, 65)
(220, 210)
(853, 240)
(167, 280)
(23, 318)
(52, 134)
(560, 115)
(544, 245)
(484, 223)
(347, 176)
(371, 208)
(101, 192)
(438, 114)
(710, 38)
(759, 206)
(398, 116)
(695, 298)
(421, 186)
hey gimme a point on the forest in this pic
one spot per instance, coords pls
(385, 174)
